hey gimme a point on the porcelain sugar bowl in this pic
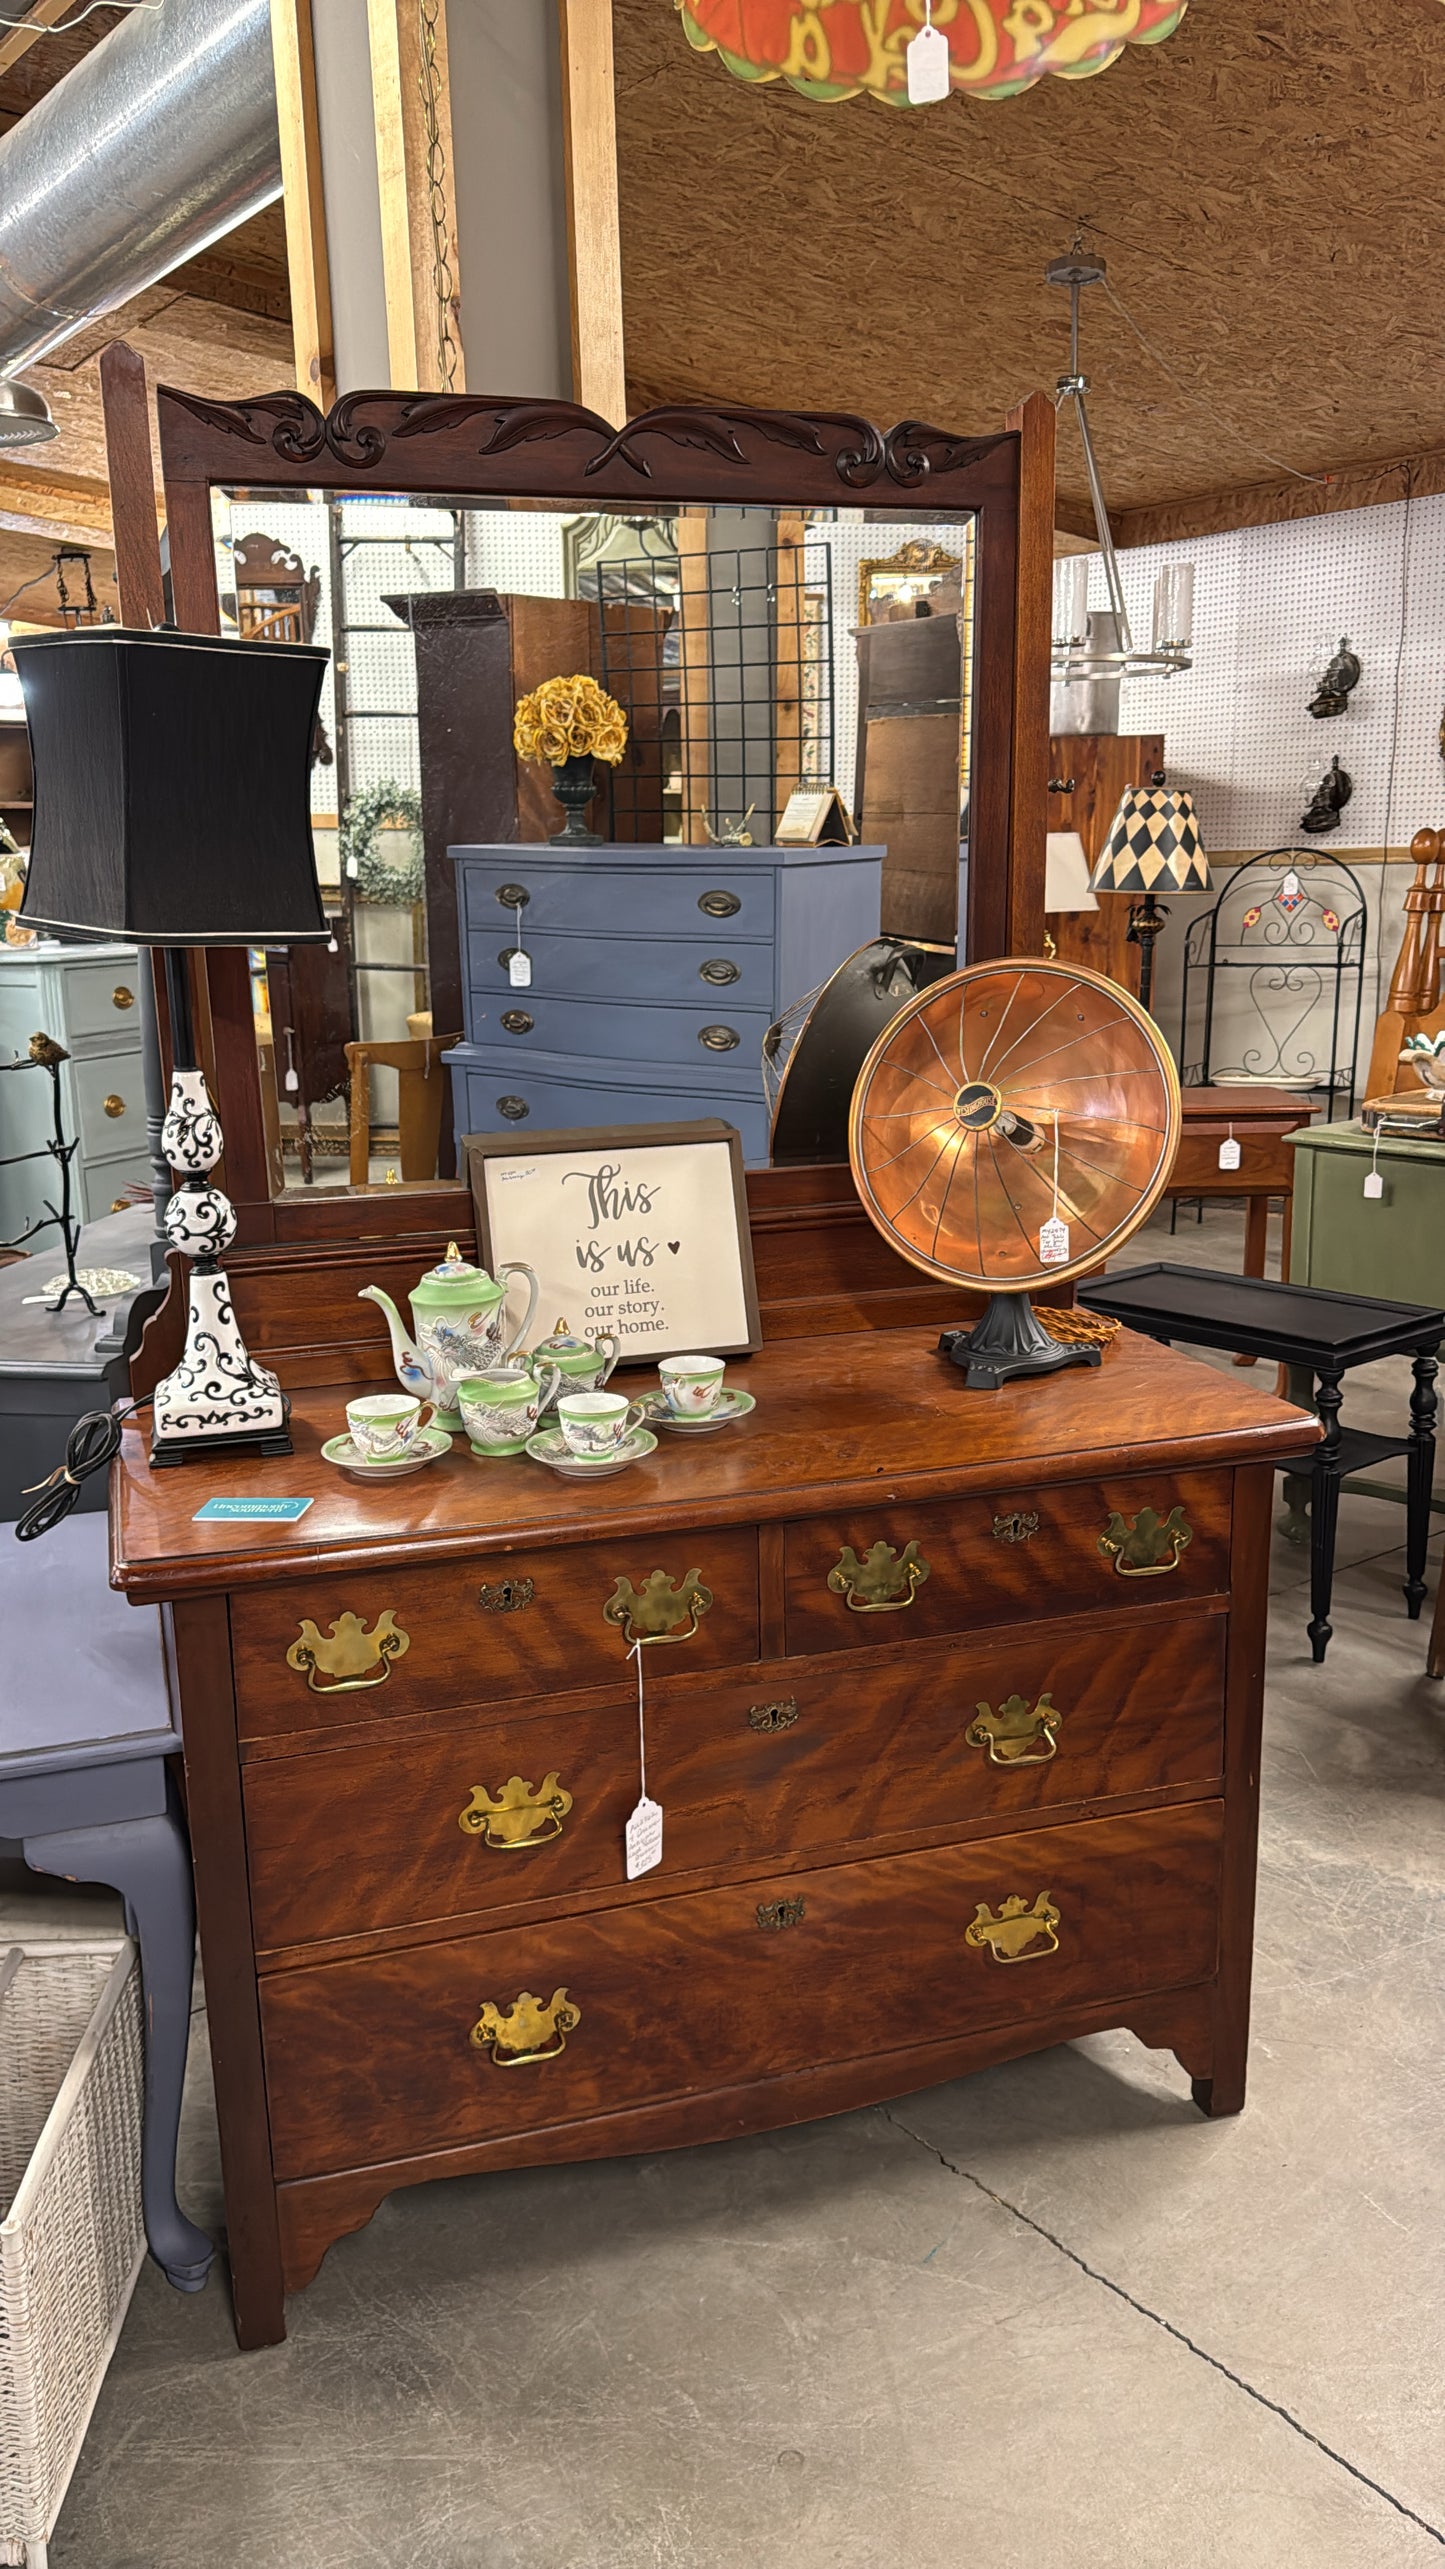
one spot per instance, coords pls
(460, 1315)
(585, 1364)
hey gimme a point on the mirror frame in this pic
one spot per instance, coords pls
(555, 452)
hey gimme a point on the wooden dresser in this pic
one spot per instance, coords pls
(926, 1807)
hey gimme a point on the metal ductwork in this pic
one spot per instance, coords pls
(160, 141)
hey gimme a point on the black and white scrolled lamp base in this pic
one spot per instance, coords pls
(217, 1396)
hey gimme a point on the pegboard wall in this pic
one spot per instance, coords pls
(518, 551)
(1271, 604)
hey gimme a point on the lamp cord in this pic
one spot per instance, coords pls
(93, 1442)
(1201, 400)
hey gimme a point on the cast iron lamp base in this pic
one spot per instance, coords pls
(1006, 1342)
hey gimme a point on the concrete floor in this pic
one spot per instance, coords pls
(1042, 2316)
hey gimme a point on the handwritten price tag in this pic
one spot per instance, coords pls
(644, 1838)
(1054, 1243)
(519, 970)
(1229, 1154)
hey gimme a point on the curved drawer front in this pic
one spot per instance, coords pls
(709, 1028)
(327, 1650)
(761, 1763)
(865, 1580)
(672, 900)
(375, 2060)
(710, 970)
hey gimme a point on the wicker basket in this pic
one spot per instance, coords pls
(71, 2235)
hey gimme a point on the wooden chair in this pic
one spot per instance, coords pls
(423, 1088)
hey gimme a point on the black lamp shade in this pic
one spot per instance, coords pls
(172, 787)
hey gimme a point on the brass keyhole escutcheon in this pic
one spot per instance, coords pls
(1018, 1527)
(774, 1915)
(773, 1717)
(505, 1596)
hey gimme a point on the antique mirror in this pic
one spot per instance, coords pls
(777, 602)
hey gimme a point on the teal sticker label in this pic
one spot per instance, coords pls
(253, 1511)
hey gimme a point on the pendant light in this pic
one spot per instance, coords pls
(1075, 654)
(25, 416)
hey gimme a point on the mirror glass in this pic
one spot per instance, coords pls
(783, 678)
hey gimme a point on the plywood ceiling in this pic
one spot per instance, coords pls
(1265, 188)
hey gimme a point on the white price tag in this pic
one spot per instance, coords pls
(1054, 1243)
(519, 970)
(1229, 1154)
(927, 59)
(644, 1838)
(1374, 1186)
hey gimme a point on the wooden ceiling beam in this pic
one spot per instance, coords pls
(307, 267)
(42, 15)
(411, 104)
(58, 505)
(1279, 503)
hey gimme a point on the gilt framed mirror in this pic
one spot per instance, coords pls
(704, 565)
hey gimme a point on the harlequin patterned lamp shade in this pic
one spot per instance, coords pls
(172, 787)
(1153, 846)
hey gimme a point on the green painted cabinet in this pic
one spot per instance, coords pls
(1393, 1245)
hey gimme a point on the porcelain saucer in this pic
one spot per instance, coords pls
(428, 1446)
(550, 1446)
(726, 1409)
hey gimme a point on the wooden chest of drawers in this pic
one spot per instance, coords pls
(955, 1731)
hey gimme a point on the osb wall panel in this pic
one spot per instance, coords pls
(1265, 187)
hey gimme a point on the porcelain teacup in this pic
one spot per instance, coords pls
(597, 1423)
(385, 1425)
(691, 1384)
(501, 1407)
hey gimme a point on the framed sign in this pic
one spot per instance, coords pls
(637, 1228)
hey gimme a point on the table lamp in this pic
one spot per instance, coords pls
(1154, 841)
(173, 809)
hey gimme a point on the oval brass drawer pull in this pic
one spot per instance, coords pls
(520, 1815)
(505, 1596)
(719, 972)
(1017, 1734)
(513, 896)
(719, 905)
(349, 1657)
(883, 1582)
(719, 1039)
(515, 1109)
(1019, 1933)
(120, 997)
(531, 2029)
(660, 1610)
(773, 1717)
(516, 1021)
(114, 1105)
(1137, 1551)
(777, 1914)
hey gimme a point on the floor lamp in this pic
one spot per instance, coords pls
(173, 809)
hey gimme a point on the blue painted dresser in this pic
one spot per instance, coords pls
(656, 973)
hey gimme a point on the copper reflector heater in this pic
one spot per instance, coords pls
(1010, 1129)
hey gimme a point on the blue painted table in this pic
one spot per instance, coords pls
(85, 1732)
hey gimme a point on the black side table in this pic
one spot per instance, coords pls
(1327, 1332)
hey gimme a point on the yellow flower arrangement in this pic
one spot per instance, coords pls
(569, 718)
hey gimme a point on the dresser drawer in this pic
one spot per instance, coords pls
(671, 899)
(717, 972)
(104, 999)
(110, 1104)
(503, 1088)
(375, 2060)
(522, 1623)
(1007, 1558)
(709, 1029)
(760, 1764)
(1265, 1159)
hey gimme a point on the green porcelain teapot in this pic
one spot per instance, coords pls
(460, 1314)
(584, 1364)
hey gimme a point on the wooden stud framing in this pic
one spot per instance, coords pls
(42, 15)
(306, 259)
(417, 195)
(594, 240)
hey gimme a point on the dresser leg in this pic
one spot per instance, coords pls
(1217, 2097)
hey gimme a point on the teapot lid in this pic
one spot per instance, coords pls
(565, 1342)
(455, 1278)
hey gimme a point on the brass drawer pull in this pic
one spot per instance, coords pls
(719, 1039)
(773, 1717)
(520, 1815)
(658, 1610)
(531, 2029)
(513, 896)
(515, 1109)
(719, 972)
(883, 1582)
(120, 997)
(505, 1596)
(773, 1915)
(1137, 1551)
(114, 1105)
(1017, 1734)
(1017, 1528)
(515, 1021)
(1019, 1933)
(350, 1657)
(719, 905)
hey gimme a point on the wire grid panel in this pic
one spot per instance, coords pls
(1271, 604)
(71, 2232)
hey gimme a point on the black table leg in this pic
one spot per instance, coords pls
(1421, 1478)
(1324, 1512)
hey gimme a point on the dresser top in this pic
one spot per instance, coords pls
(51, 950)
(859, 1421)
(671, 854)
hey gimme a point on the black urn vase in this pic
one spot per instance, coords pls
(574, 784)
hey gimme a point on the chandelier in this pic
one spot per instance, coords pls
(1078, 650)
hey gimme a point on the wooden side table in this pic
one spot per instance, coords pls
(1262, 1121)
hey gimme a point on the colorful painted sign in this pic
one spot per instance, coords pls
(831, 49)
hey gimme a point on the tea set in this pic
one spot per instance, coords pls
(464, 1371)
